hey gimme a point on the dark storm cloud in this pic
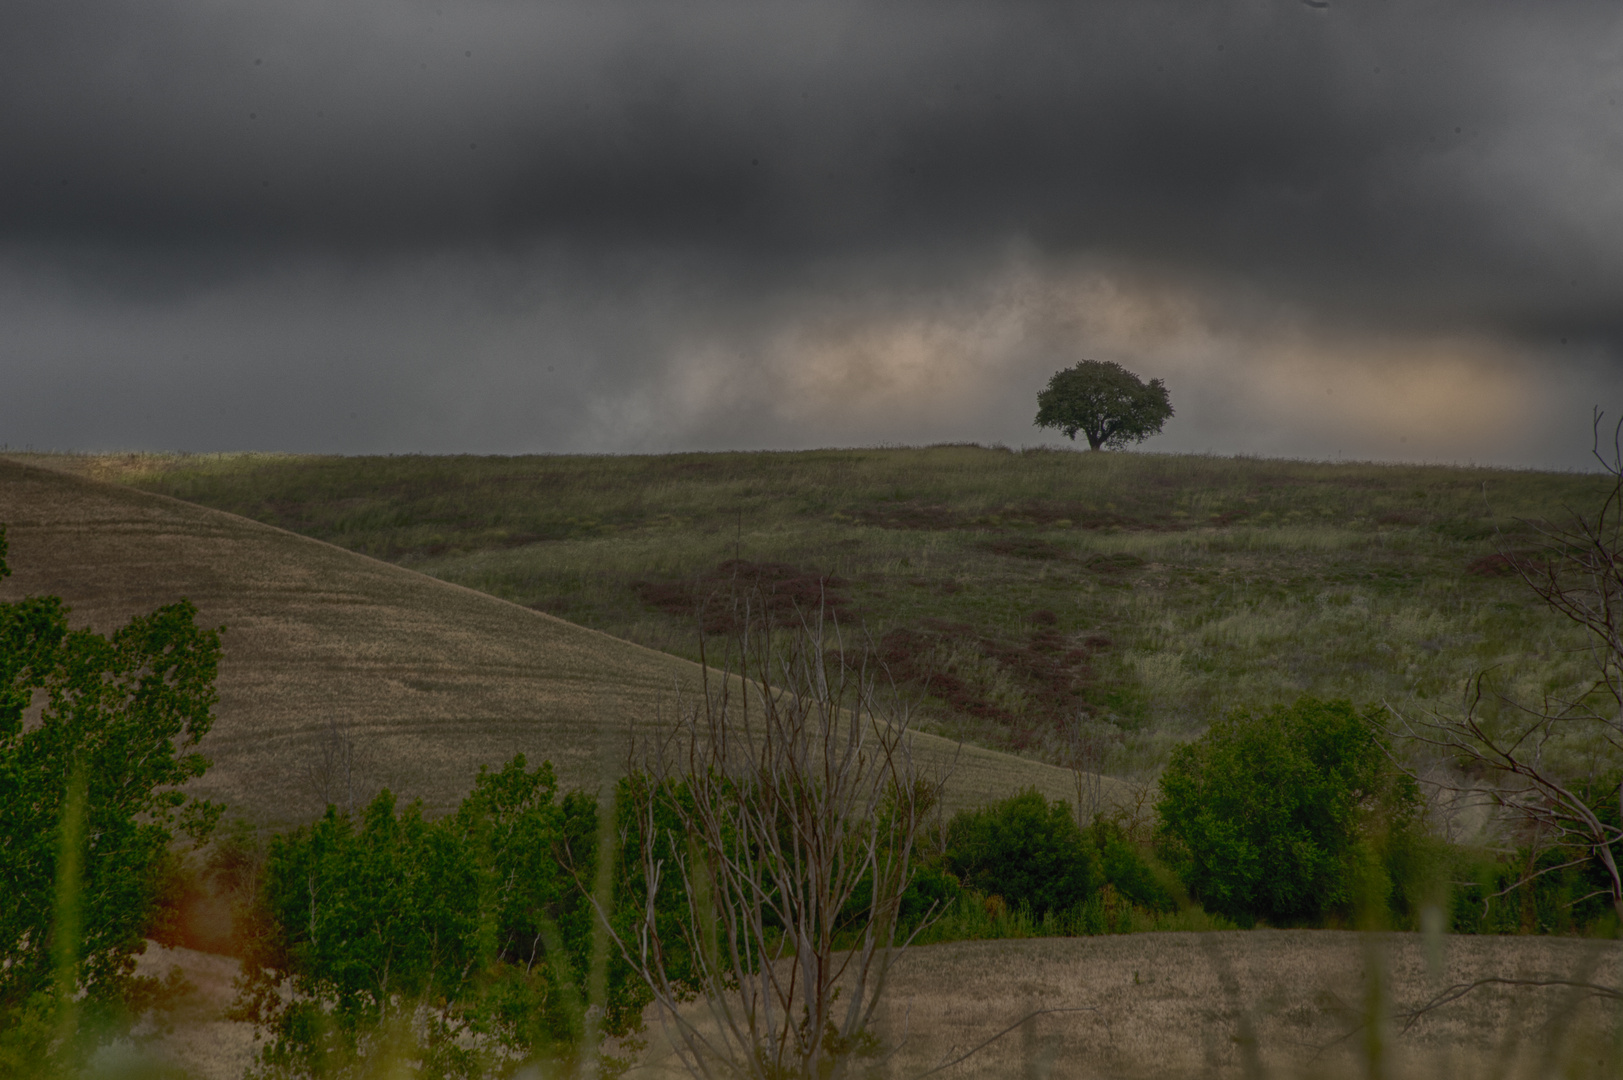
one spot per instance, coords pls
(1347, 143)
(1367, 168)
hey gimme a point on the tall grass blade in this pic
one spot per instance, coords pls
(68, 927)
(597, 975)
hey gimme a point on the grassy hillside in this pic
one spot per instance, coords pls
(1017, 593)
(342, 674)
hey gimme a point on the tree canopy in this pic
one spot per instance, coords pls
(96, 738)
(1280, 816)
(1027, 850)
(1105, 402)
(460, 947)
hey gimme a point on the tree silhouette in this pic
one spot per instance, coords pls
(1105, 402)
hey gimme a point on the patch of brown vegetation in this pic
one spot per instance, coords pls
(1501, 563)
(739, 593)
(1040, 513)
(911, 515)
(1052, 672)
(1120, 563)
(1021, 546)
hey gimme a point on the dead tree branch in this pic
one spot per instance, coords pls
(796, 808)
(1578, 572)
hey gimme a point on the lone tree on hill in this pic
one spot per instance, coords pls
(1105, 402)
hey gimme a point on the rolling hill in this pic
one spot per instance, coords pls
(427, 680)
(343, 674)
(1011, 594)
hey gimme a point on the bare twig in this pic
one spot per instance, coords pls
(1459, 990)
(796, 809)
(1578, 573)
(988, 1042)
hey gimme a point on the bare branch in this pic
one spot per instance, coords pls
(1458, 990)
(988, 1042)
(1577, 573)
(797, 807)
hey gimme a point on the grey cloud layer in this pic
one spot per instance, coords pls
(1353, 144)
(1433, 168)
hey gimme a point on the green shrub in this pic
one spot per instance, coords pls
(91, 798)
(974, 917)
(1026, 850)
(452, 947)
(1559, 889)
(929, 896)
(1289, 816)
(1127, 870)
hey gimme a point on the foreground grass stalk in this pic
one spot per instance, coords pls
(1377, 1010)
(67, 930)
(597, 975)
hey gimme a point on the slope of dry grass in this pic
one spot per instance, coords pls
(331, 655)
(1159, 1005)
(1259, 1003)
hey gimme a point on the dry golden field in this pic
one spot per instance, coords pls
(1181, 1005)
(1260, 1003)
(1168, 1005)
(426, 680)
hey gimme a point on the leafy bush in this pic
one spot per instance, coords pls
(1289, 816)
(90, 801)
(1127, 870)
(974, 917)
(459, 945)
(928, 896)
(1031, 856)
(1559, 889)
(1026, 850)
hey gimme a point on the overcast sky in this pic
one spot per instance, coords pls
(1385, 229)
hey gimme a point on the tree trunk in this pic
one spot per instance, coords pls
(1611, 865)
(1605, 851)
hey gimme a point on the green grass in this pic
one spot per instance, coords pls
(971, 917)
(1013, 591)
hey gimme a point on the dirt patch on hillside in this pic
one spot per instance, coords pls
(1259, 1003)
(739, 593)
(1042, 513)
(1027, 686)
(1502, 563)
(1024, 546)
